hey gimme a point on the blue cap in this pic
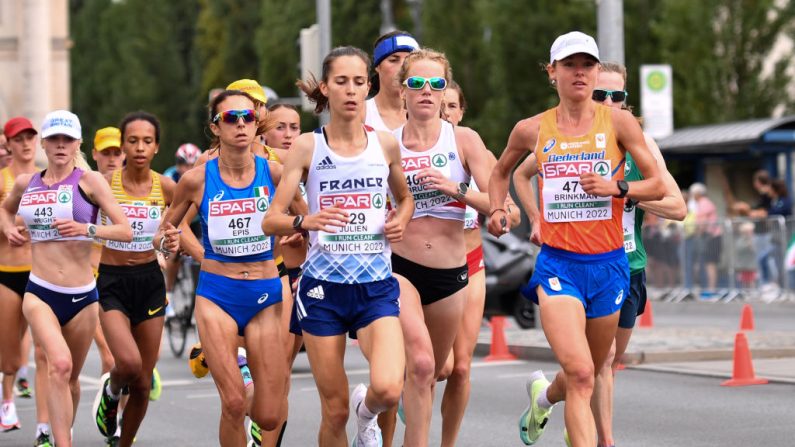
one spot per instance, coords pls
(393, 44)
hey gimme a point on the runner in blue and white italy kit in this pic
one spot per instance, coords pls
(385, 111)
(438, 160)
(59, 206)
(347, 284)
(239, 292)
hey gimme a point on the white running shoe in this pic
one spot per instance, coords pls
(8, 417)
(367, 435)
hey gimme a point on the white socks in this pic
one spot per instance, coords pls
(42, 428)
(542, 400)
(111, 394)
(364, 414)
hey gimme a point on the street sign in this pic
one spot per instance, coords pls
(656, 100)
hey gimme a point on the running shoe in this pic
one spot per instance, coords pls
(255, 433)
(113, 441)
(105, 409)
(43, 440)
(242, 363)
(8, 417)
(197, 362)
(368, 435)
(157, 386)
(534, 419)
(22, 389)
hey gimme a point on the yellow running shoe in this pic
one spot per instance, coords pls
(534, 419)
(157, 386)
(197, 362)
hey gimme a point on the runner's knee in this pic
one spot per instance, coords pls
(421, 369)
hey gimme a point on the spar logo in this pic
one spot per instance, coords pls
(439, 160)
(140, 212)
(262, 204)
(415, 163)
(64, 196)
(39, 198)
(233, 207)
(348, 201)
(602, 168)
(566, 169)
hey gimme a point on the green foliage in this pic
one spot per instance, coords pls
(164, 57)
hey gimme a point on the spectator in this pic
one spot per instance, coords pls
(709, 234)
(762, 185)
(780, 203)
(5, 154)
(745, 256)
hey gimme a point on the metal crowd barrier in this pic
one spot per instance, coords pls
(732, 259)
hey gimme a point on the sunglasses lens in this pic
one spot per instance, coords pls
(415, 82)
(231, 116)
(438, 83)
(599, 95)
(619, 96)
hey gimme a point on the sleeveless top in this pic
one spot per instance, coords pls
(231, 218)
(359, 252)
(41, 204)
(444, 157)
(7, 177)
(633, 222)
(372, 117)
(143, 213)
(571, 219)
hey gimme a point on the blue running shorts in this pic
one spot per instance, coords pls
(635, 303)
(241, 299)
(327, 308)
(599, 281)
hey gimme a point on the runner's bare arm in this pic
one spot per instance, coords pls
(397, 219)
(298, 205)
(99, 191)
(673, 205)
(630, 137)
(169, 189)
(514, 213)
(522, 177)
(188, 192)
(477, 161)
(522, 139)
(9, 208)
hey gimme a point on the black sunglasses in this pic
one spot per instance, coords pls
(600, 95)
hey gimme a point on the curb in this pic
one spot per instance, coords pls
(680, 369)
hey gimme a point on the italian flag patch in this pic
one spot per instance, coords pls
(261, 191)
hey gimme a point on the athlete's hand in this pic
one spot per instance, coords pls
(70, 228)
(16, 235)
(294, 240)
(499, 223)
(535, 233)
(596, 185)
(171, 241)
(393, 229)
(327, 219)
(432, 179)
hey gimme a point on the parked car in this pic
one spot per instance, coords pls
(509, 264)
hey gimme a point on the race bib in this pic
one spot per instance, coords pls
(144, 221)
(40, 209)
(629, 229)
(426, 199)
(364, 232)
(235, 226)
(564, 199)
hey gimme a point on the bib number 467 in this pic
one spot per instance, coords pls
(239, 223)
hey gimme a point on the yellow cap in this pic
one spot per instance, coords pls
(251, 87)
(197, 362)
(107, 137)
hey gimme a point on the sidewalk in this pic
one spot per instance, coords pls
(679, 343)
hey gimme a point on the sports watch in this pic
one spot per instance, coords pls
(623, 188)
(297, 222)
(462, 191)
(91, 230)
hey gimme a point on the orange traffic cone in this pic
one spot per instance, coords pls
(747, 318)
(743, 371)
(499, 348)
(646, 318)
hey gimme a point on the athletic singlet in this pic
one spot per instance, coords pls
(8, 182)
(571, 219)
(372, 117)
(143, 213)
(444, 157)
(359, 252)
(42, 204)
(231, 218)
(272, 155)
(633, 221)
(471, 214)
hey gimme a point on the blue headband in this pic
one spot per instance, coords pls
(401, 42)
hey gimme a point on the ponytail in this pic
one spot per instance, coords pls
(81, 162)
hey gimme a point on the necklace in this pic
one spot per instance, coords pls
(221, 160)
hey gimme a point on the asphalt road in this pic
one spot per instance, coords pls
(653, 409)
